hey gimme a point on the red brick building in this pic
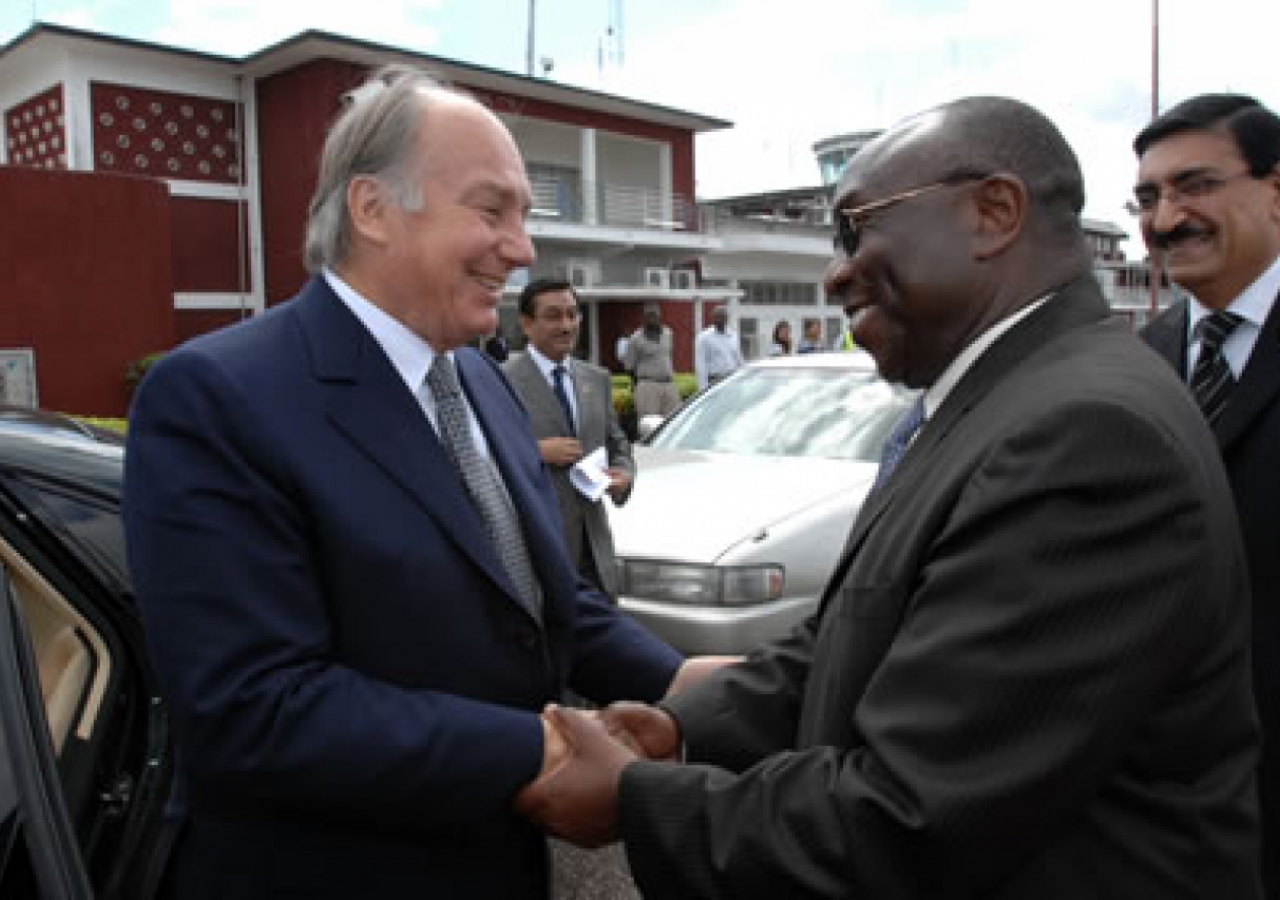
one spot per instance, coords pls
(152, 193)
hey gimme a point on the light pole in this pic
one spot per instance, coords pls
(1153, 269)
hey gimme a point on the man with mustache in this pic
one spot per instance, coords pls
(1208, 194)
(570, 404)
(1029, 675)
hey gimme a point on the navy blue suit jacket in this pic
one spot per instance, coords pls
(353, 682)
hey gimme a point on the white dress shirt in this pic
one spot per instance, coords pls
(547, 368)
(1252, 306)
(409, 354)
(716, 353)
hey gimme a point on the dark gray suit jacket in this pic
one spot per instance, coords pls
(1029, 677)
(597, 427)
(1248, 434)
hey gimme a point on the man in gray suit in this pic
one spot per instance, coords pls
(572, 415)
(1029, 675)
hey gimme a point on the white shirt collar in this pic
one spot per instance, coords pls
(408, 351)
(951, 376)
(545, 365)
(1253, 304)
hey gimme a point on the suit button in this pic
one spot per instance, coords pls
(528, 638)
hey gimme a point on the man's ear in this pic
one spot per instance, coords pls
(369, 202)
(1273, 179)
(1001, 202)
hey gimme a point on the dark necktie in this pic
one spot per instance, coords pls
(899, 439)
(480, 476)
(558, 374)
(1212, 381)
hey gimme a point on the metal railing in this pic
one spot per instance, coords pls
(611, 205)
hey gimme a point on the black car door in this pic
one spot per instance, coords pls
(39, 853)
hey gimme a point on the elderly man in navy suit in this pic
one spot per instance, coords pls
(347, 553)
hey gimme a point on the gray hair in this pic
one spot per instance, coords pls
(374, 135)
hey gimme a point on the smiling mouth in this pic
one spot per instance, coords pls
(491, 284)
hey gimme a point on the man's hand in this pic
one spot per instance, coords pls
(619, 483)
(647, 730)
(577, 800)
(560, 451)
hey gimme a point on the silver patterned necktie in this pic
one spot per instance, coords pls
(1212, 381)
(480, 476)
(899, 439)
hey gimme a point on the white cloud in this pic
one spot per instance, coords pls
(789, 73)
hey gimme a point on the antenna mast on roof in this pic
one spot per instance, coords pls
(614, 34)
(529, 52)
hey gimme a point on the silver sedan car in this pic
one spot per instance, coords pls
(745, 497)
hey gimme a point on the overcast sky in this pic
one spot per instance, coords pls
(785, 72)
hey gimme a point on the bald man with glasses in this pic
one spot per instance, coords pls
(1028, 678)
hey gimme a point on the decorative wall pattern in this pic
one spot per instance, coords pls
(35, 131)
(166, 135)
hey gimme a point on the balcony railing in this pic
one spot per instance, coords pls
(611, 205)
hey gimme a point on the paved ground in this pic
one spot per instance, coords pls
(592, 874)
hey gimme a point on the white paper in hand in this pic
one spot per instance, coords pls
(589, 475)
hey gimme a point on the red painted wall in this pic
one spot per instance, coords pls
(189, 323)
(87, 314)
(205, 252)
(294, 111)
(622, 319)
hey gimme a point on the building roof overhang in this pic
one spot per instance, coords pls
(312, 44)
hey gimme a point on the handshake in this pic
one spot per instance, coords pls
(575, 796)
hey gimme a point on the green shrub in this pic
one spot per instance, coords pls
(136, 370)
(109, 423)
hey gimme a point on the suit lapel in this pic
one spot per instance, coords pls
(1259, 383)
(369, 403)
(584, 391)
(540, 398)
(1167, 335)
(1079, 303)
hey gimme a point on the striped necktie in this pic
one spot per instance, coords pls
(1212, 381)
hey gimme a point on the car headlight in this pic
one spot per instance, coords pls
(698, 585)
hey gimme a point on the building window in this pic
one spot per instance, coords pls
(779, 293)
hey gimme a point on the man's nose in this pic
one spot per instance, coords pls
(1167, 215)
(838, 273)
(517, 248)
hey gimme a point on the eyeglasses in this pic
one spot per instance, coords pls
(1187, 187)
(850, 224)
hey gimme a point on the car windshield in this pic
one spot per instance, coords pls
(826, 412)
